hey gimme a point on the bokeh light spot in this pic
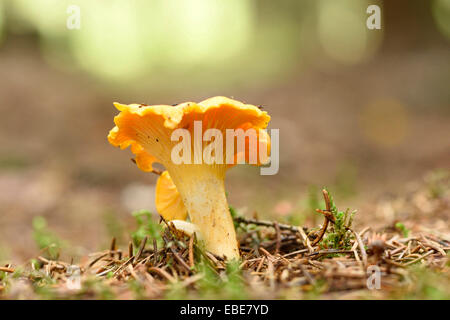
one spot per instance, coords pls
(342, 30)
(441, 13)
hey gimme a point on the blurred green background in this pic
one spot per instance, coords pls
(361, 111)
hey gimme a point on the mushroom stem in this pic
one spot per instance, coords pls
(203, 192)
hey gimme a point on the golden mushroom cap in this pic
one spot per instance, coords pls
(147, 129)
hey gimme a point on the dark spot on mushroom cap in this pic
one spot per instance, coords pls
(157, 140)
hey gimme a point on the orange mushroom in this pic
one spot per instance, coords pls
(168, 199)
(194, 188)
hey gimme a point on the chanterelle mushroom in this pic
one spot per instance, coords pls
(168, 200)
(148, 130)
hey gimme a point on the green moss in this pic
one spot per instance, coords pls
(338, 235)
(226, 284)
(146, 226)
(233, 284)
(438, 182)
(97, 288)
(45, 239)
(401, 227)
(176, 291)
(424, 284)
(137, 288)
(316, 290)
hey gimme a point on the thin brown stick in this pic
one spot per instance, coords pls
(305, 239)
(266, 224)
(180, 260)
(212, 257)
(42, 259)
(418, 259)
(112, 247)
(267, 253)
(141, 249)
(328, 216)
(278, 237)
(130, 249)
(7, 270)
(155, 251)
(123, 265)
(295, 252)
(321, 233)
(191, 251)
(361, 248)
(329, 251)
(97, 259)
(260, 264)
(162, 273)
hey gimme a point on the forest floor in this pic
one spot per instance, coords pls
(278, 261)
